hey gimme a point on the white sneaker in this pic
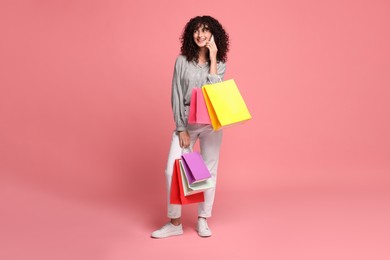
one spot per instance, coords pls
(202, 228)
(168, 230)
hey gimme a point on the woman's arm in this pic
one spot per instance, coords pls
(178, 106)
(219, 75)
(177, 97)
(213, 55)
(217, 70)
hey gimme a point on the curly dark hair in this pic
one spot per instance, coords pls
(189, 48)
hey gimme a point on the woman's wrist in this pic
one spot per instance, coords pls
(213, 67)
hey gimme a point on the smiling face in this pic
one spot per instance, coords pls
(202, 35)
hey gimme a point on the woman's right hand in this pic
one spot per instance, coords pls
(184, 139)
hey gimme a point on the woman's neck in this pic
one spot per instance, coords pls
(202, 57)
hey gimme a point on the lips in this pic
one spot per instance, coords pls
(202, 40)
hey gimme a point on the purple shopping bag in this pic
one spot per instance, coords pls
(195, 168)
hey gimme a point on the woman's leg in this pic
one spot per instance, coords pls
(174, 227)
(174, 210)
(210, 144)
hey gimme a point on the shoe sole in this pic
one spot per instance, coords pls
(169, 235)
(203, 235)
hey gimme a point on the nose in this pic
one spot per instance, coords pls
(200, 33)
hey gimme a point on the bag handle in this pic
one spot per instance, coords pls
(186, 150)
(219, 77)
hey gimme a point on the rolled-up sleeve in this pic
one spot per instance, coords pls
(177, 97)
(215, 78)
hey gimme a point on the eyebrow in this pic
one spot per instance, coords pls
(202, 26)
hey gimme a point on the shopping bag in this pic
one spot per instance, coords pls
(177, 192)
(225, 104)
(195, 187)
(195, 168)
(198, 110)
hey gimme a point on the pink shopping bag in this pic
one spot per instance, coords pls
(198, 109)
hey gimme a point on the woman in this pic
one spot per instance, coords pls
(202, 61)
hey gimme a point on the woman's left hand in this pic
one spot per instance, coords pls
(212, 48)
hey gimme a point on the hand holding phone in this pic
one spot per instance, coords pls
(212, 48)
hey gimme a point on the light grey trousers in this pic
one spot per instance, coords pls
(210, 144)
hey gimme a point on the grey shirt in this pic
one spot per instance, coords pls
(188, 75)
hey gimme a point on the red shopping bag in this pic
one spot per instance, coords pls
(177, 192)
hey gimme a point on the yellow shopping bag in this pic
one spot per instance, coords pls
(225, 104)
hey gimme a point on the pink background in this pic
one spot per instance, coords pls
(85, 125)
